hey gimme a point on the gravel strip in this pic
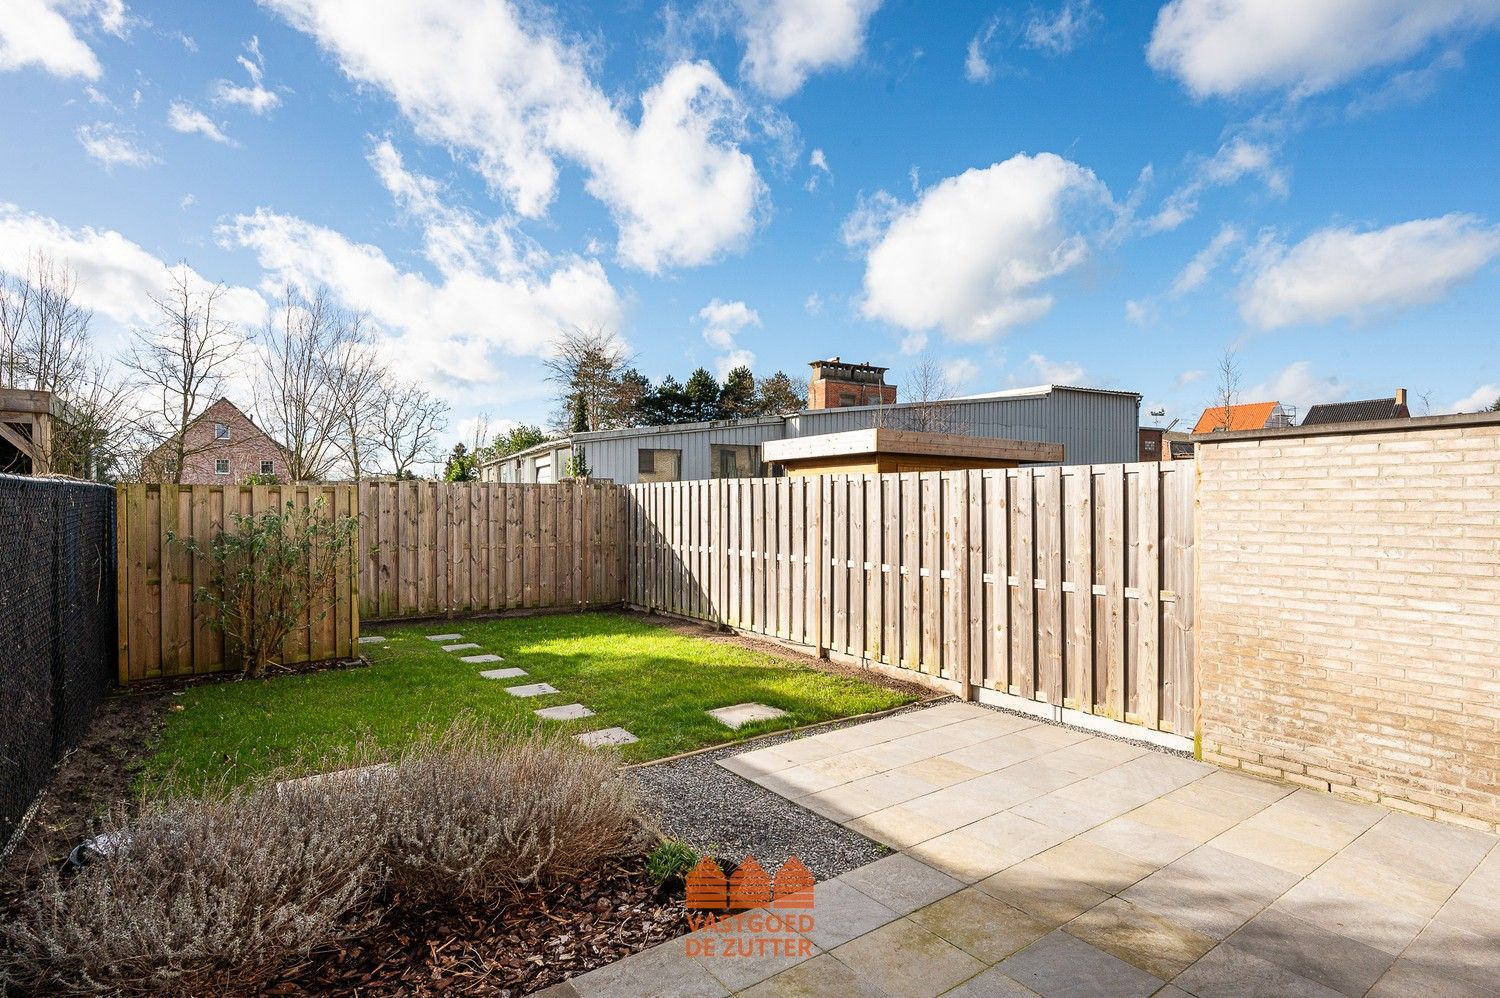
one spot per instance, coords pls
(697, 800)
(715, 811)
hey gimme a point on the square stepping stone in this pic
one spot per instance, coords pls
(567, 712)
(445, 637)
(503, 674)
(481, 659)
(606, 736)
(372, 639)
(531, 690)
(460, 647)
(742, 714)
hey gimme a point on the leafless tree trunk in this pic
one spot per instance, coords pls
(408, 423)
(1227, 394)
(181, 363)
(299, 392)
(586, 365)
(15, 312)
(357, 397)
(926, 387)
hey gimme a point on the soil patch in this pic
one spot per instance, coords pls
(489, 949)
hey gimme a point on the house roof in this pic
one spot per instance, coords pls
(1250, 416)
(1355, 412)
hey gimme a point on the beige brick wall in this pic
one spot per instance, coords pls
(1349, 614)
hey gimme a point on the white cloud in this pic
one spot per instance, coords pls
(116, 277)
(496, 292)
(1234, 160)
(1341, 273)
(818, 164)
(814, 304)
(1057, 372)
(723, 322)
(513, 96)
(1297, 385)
(188, 200)
(1188, 377)
(1140, 311)
(1301, 46)
(960, 372)
(1205, 261)
(183, 117)
(974, 254)
(1062, 30)
(977, 68)
(254, 97)
(1477, 401)
(111, 147)
(786, 41)
(42, 33)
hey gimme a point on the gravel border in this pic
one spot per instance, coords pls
(695, 799)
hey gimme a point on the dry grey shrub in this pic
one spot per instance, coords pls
(485, 814)
(211, 895)
(201, 896)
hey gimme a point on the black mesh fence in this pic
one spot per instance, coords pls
(57, 627)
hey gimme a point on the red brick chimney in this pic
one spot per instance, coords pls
(835, 384)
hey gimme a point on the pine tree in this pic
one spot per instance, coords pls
(702, 396)
(737, 397)
(778, 394)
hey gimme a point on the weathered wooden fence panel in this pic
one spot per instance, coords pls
(443, 548)
(1070, 586)
(163, 629)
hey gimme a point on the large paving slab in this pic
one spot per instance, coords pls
(606, 736)
(511, 673)
(481, 659)
(372, 639)
(445, 637)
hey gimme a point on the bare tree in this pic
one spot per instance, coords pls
(586, 365)
(181, 364)
(15, 310)
(1227, 392)
(926, 387)
(357, 398)
(408, 424)
(299, 391)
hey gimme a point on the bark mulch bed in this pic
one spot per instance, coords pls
(490, 949)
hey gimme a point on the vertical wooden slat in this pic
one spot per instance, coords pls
(953, 584)
(911, 563)
(930, 572)
(1148, 581)
(976, 593)
(890, 568)
(874, 579)
(1049, 603)
(1111, 501)
(1078, 543)
(997, 591)
(1022, 588)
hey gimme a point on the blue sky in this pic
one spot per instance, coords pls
(1072, 191)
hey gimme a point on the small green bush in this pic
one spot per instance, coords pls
(670, 860)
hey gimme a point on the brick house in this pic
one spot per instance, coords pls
(835, 384)
(223, 447)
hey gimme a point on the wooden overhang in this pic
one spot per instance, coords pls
(881, 442)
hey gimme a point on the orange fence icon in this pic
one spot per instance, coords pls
(750, 886)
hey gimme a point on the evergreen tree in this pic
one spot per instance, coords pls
(778, 394)
(665, 403)
(461, 465)
(516, 439)
(737, 397)
(702, 396)
(624, 406)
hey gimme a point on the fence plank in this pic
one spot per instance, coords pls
(1077, 507)
(1111, 500)
(1022, 588)
(1049, 606)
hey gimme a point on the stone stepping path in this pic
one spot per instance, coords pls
(742, 714)
(502, 673)
(460, 647)
(445, 637)
(481, 659)
(567, 712)
(531, 690)
(606, 736)
(372, 639)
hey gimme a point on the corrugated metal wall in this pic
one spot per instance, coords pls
(614, 457)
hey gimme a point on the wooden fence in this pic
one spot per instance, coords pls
(423, 549)
(440, 548)
(1071, 586)
(163, 630)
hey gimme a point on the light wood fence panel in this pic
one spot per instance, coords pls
(165, 630)
(1070, 586)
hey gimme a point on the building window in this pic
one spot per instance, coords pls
(221, 467)
(846, 398)
(657, 465)
(267, 468)
(221, 431)
(1150, 446)
(734, 461)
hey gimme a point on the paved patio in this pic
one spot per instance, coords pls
(1034, 859)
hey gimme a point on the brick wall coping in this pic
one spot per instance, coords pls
(1447, 422)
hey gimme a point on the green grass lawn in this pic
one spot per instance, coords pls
(631, 672)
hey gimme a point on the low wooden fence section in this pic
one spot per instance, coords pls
(439, 548)
(163, 629)
(1072, 586)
